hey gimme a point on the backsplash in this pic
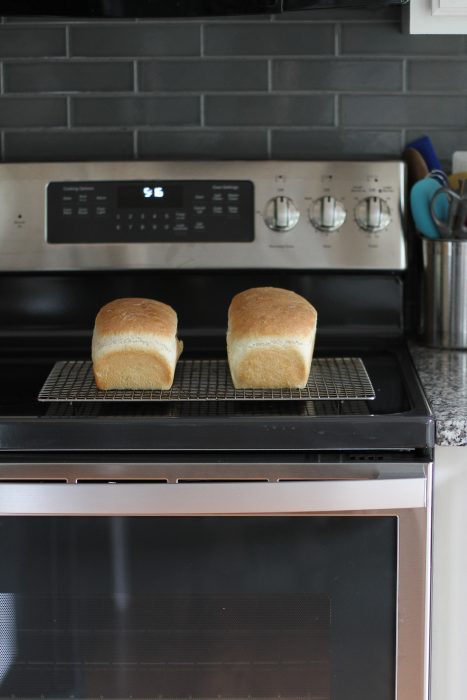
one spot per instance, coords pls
(315, 85)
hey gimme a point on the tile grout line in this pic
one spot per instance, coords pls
(337, 40)
(202, 110)
(68, 112)
(358, 128)
(135, 77)
(237, 58)
(67, 41)
(201, 40)
(403, 138)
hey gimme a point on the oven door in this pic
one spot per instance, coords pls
(312, 588)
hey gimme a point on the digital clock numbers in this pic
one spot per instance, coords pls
(157, 192)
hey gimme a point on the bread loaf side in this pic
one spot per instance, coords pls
(135, 345)
(270, 339)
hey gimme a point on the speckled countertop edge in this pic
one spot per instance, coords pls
(443, 374)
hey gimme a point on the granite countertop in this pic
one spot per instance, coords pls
(444, 377)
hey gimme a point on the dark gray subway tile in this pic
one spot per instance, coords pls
(136, 39)
(68, 76)
(334, 143)
(269, 110)
(274, 39)
(342, 14)
(337, 74)
(38, 19)
(32, 112)
(135, 111)
(403, 110)
(235, 19)
(204, 144)
(380, 39)
(203, 75)
(445, 141)
(68, 145)
(16, 42)
(437, 76)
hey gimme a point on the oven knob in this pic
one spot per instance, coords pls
(372, 214)
(281, 214)
(327, 214)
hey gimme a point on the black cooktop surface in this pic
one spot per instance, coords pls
(398, 418)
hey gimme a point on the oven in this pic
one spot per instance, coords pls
(208, 546)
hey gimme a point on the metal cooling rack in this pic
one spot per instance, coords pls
(335, 378)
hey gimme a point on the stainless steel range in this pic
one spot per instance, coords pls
(210, 545)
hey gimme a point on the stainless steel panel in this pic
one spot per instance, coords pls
(23, 244)
(444, 315)
(372, 493)
(178, 472)
(210, 498)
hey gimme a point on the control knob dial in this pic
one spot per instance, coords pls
(281, 214)
(372, 214)
(327, 213)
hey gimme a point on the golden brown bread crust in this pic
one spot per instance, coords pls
(134, 345)
(270, 311)
(270, 339)
(135, 314)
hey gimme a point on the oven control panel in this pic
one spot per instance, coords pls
(316, 215)
(150, 211)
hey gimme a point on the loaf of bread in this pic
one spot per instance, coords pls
(135, 345)
(270, 339)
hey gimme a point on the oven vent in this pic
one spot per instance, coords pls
(365, 457)
(106, 480)
(240, 480)
(33, 481)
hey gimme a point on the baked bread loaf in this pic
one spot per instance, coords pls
(135, 345)
(270, 339)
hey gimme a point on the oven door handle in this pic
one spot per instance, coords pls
(317, 497)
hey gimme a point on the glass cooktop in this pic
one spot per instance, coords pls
(398, 417)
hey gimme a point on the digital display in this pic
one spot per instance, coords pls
(153, 195)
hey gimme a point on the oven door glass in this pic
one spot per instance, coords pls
(198, 607)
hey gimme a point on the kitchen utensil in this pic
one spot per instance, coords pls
(440, 176)
(454, 225)
(417, 169)
(455, 180)
(424, 146)
(421, 196)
